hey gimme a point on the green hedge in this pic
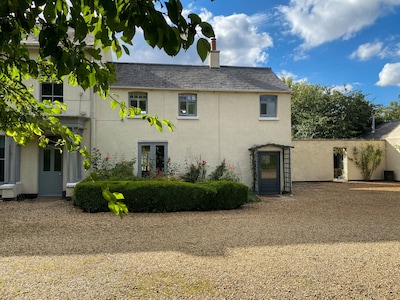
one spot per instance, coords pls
(162, 196)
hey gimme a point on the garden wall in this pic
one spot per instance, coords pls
(313, 160)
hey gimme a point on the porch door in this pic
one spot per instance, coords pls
(50, 172)
(269, 182)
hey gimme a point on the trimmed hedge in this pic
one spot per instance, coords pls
(162, 196)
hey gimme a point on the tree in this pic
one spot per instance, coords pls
(324, 112)
(388, 113)
(367, 158)
(62, 28)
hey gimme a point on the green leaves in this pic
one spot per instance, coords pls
(367, 158)
(72, 36)
(203, 47)
(323, 112)
(117, 207)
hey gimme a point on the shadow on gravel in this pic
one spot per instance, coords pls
(317, 213)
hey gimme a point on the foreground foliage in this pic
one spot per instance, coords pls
(72, 36)
(162, 196)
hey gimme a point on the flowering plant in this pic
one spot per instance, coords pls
(111, 168)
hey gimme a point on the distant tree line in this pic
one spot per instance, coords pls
(323, 112)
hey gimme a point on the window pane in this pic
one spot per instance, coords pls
(58, 89)
(56, 98)
(57, 160)
(143, 106)
(2, 146)
(192, 108)
(1, 170)
(160, 158)
(268, 166)
(46, 160)
(263, 109)
(145, 161)
(47, 89)
(182, 108)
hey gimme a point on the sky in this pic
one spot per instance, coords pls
(337, 43)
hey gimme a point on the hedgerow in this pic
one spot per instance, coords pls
(162, 196)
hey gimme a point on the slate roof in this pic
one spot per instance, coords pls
(192, 77)
(33, 41)
(382, 130)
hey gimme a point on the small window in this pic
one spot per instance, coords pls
(52, 91)
(188, 105)
(268, 106)
(138, 100)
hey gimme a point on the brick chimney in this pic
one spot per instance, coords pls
(213, 55)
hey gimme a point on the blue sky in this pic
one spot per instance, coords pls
(329, 42)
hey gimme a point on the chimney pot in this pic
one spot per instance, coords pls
(213, 44)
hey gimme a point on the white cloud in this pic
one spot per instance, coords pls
(390, 75)
(238, 38)
(318, 22)
(288, 74)
(368, 50)
(343, 88)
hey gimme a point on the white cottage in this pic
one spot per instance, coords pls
(240, 114)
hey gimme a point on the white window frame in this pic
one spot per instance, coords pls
(134, 99)
(52, 96)
(187, 99)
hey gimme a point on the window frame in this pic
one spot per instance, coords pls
(183, 98)
(268, 101)
(135, 96)
(52, 97)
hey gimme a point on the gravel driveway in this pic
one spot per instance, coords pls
(327, 241)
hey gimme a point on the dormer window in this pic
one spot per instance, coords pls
(52, 91)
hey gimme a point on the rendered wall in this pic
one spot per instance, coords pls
(393, 152)
(226, 126)
(312, 160)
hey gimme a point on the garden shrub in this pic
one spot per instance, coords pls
(162, 196)
(229, 194)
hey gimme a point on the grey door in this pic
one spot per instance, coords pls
(50, 172)
(269, 173)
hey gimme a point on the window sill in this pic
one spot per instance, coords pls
(140, 117)
(268, 119)
(187, 118)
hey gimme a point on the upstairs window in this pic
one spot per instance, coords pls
(52, 91)
(268, 106)
(138, 100)
(188, 105)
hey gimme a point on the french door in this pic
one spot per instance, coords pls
(153, 157)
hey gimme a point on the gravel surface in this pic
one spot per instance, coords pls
(327, 241)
